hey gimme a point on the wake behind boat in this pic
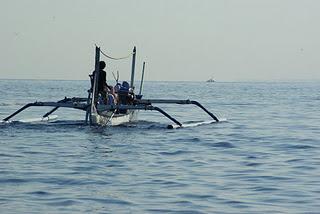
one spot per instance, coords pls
(113, 105)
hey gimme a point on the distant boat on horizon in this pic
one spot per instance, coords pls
(210, 80)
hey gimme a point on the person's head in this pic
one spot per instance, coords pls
(125, 84)
(117, 87)
(102, 65)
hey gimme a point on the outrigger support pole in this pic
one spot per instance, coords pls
(50, 112)
(55, 108)
(167, 115)
(18, 111)
(204, 109)
(88, 110)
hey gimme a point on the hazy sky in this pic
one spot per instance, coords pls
(229, 40)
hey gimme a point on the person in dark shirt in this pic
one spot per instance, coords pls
(102, 85)
(102, 78)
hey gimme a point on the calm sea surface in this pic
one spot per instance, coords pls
(264, 159)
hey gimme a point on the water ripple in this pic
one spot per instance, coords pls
(226, 145)
(264, 160)
(39, 193)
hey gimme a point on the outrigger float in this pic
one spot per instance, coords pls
(123, 111)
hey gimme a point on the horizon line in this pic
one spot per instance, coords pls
(203, 81)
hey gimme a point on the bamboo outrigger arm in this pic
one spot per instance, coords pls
(164, 101)
(146, 107)
(75, 102)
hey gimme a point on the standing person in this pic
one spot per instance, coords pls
(101, 80)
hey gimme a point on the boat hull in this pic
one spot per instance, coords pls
(108, 118)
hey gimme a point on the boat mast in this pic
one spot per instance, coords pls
(133, 66)
(95, 83)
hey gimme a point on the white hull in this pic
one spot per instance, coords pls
(111, 119)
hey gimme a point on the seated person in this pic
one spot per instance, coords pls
(112, 93)
(123, 93)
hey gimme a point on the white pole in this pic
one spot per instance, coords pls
(133, 67)
(144, 63)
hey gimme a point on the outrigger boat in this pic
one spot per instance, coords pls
(210, 80)
(123, 111)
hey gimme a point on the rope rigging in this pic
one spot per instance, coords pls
(114, 58)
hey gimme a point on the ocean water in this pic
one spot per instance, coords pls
(264, 159)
